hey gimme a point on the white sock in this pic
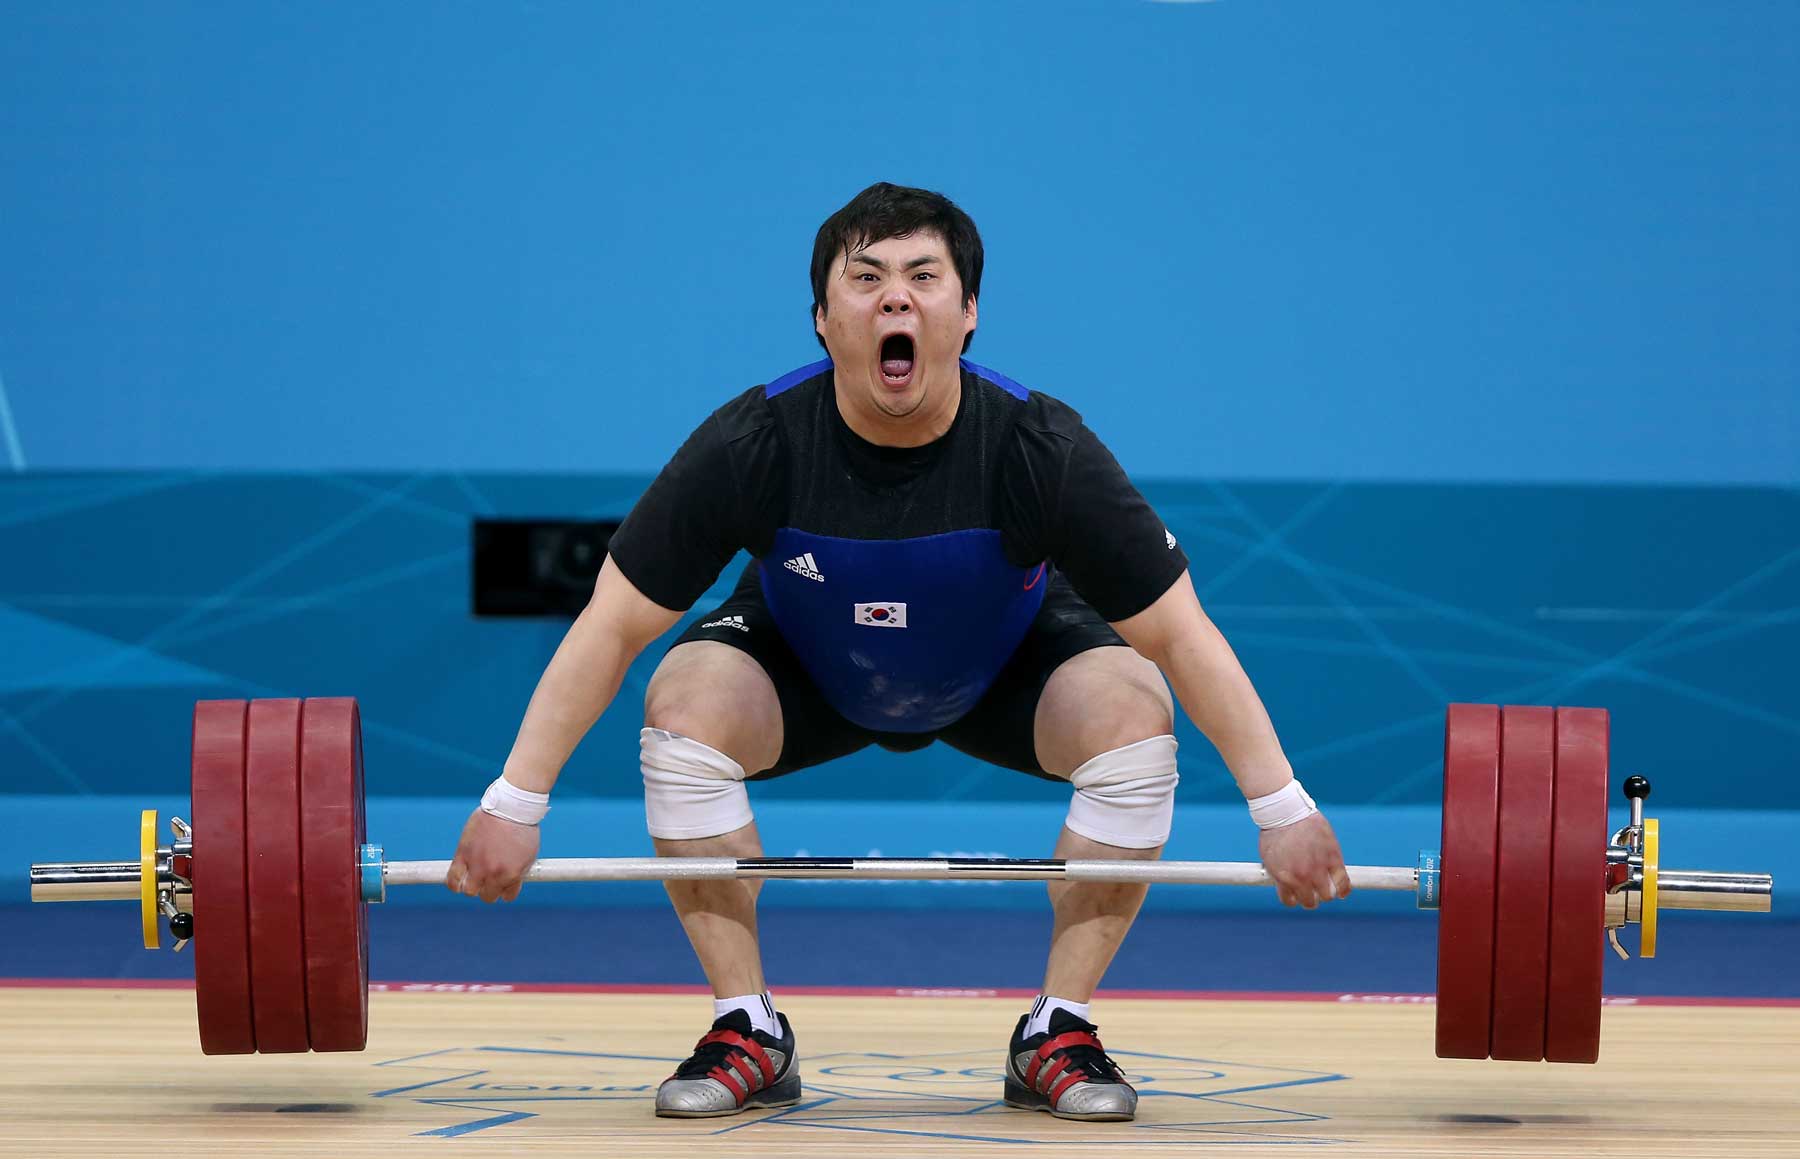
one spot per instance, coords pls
(1039, 1022)
(760, 1008)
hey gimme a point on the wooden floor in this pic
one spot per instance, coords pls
(100, 1072)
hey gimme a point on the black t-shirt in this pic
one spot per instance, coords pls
(1015, 461)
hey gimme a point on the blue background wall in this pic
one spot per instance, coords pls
(1366, 241)
(1359, 609)
(1456, 343)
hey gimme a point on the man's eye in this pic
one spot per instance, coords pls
(865, 277)
(924, 276)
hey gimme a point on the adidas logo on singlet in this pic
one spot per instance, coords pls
(804, 565)
(728, 622)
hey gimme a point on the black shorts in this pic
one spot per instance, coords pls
(998, 729)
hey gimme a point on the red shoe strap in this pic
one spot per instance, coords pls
(765, 1069)
(1055, 1093)
(1050, 1047)
(730, 1082)
(1047, 1076)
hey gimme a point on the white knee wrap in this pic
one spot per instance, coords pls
(1126, 797)
(690, 789)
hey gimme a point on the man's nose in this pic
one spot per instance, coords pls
(895, 301)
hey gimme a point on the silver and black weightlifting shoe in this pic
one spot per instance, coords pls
(1067, 1072)
(733, 1068)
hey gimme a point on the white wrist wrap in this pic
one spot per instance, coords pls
(1285, 806)
(505, 800)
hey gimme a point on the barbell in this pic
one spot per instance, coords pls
(273, 878)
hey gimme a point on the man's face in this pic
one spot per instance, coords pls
(894, 323)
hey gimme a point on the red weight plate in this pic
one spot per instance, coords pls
(1466, 909)
(221, 911)
(1577, 887)
(337, 918)
(1522, 890)
(272, 813)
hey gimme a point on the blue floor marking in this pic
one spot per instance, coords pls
(856, 1106)
(499, 1120)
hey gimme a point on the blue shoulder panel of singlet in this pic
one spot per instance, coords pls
(796, 377)
(995, 377)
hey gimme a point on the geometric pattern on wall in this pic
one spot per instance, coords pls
(1358, 609)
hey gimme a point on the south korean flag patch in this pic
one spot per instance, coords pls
(881, 615)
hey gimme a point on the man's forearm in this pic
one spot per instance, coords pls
(1219, 698)
(577, 686)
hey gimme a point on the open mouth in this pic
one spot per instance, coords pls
(897, 359)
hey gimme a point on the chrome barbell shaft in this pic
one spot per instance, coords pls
(1679, 889)
(118, 880)
(1375, 877)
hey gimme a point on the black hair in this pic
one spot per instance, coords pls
(882, 211)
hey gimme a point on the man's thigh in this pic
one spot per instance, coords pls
(1101, 700)
(782, 718)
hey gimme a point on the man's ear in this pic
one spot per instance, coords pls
(819, 321)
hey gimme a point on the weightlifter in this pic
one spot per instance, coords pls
(938, 554)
